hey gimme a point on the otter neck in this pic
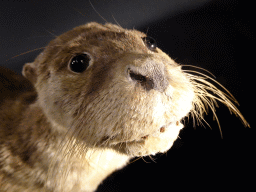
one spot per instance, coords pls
(63, 161)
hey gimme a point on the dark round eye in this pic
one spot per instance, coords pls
(150, 43)
(79, 63)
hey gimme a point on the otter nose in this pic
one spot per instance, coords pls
(149, 78)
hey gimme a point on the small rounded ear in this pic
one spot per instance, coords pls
(29, 71)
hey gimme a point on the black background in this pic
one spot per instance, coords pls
(212, 34)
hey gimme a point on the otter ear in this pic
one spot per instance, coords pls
(29, 71)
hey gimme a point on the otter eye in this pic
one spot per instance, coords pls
(150, 43)
(79, 63)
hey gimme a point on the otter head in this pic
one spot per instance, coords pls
(113, 88)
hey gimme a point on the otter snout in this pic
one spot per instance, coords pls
(150, 76)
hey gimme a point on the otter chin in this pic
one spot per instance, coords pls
(97, 96)
(150, 144)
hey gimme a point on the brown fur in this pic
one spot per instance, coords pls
(75, 129)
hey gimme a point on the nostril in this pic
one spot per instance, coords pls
(137, 77)
(144, 81)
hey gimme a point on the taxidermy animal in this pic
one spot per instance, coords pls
(95, 97)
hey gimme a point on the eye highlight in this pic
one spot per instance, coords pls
(79, 63)
(150, 43)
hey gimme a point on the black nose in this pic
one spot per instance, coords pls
(149, 80)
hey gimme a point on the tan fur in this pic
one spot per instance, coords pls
(75, 129)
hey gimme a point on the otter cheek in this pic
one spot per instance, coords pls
(51, 101)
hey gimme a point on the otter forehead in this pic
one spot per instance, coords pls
(96, 34)
(95, 38)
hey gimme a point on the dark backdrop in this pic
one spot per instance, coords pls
(217, 35)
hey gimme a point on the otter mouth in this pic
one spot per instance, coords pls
(162, 129)
(113, 141)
